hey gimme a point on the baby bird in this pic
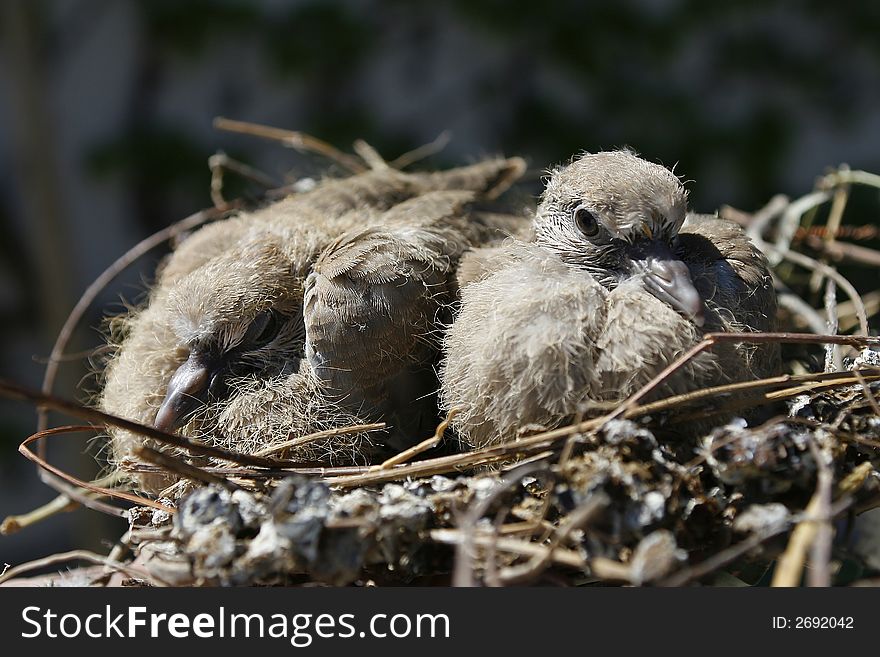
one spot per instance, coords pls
(225, 349)
(618, 280)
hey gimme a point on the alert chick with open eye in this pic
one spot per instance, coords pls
(618, 282)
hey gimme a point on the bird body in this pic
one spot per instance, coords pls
(618, 282)
(219, 351)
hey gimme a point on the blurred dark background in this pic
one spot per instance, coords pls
(107, 108)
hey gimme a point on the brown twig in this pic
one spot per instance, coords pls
(220, 162)
(420, 153)
(820, 551)
(82, 555)
(424, 446)
(299, 441)
(63, 503)
(299, 141)
(79, 483)
(581, 516)
(105, 419)
(462, 575)
(178, 466)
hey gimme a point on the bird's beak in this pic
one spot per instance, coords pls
(187, 390)
(668, 279)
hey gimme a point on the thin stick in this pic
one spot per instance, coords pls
(835, 218)
(15, 391)
(182, 468)
(561, 556)
(420, 153)
(788, 225)
(829, 272)
(820, 551)
(710, 339)
(220, 162)
(108, 492)
(833, 355)
(61, 504)
(370, 155)
(81, 555)
(846, 176)
(791, 563)
(462, 575)
(866, 391)
(581, 516)
(843, 251)
(423, 446)
(318, 435)
(299, 141)
(722, 558)
(794, 304)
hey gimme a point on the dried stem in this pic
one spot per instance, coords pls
(299, 141)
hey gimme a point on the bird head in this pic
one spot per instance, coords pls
(617, 216)
(238, 315)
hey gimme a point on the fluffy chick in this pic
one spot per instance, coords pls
(218, 352)
(618, 281)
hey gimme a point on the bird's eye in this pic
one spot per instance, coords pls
(263, 329)
(586, 221)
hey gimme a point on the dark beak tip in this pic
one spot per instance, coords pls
(187, 389)
(165, 419)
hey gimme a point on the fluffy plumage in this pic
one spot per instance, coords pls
(618, 281)
(218, 352)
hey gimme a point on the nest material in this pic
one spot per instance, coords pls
(612, 499)
(615, 505)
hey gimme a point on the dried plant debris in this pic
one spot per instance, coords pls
(621, 507)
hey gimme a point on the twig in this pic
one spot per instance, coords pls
(835, 218)
(108, 492)
(318, 435)
(830, 272)
(757, 221)
(220, 162)
(179, 466)
(794, 304)
(61, 504)
(462, 575)
(815, 526)
(299, 141)
(722, 558)
(833, 355)
(370, 155)
(105, 419)
(866, 391)
(581, 516)
(562, 556)
(423, 446)
(788, 225)
(420, 153)
(820, 552)
(82, 555)
(847, 176)
(842, 251)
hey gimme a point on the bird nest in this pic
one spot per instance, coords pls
(609, 499)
